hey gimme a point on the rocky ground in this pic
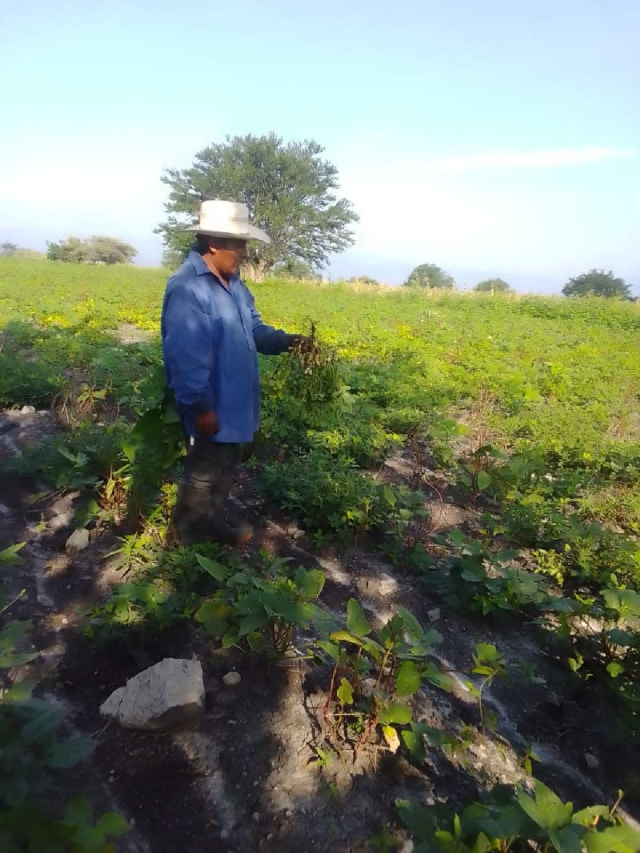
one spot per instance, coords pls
(246, 776)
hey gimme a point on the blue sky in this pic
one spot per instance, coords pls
(491, 138)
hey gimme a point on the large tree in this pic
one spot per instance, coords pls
(597, 283)
(91, 250)
(7, 249)
(492, 285)
(288, 188)
(430, 276)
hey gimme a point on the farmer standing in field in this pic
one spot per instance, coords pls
(211, 335)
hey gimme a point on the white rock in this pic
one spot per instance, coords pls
(78, 540)
(28, 410)
(434, 614)
(299, 534)
(292, 530)
(159, 698)
(232, 678)
(368, 685)
(591, 760)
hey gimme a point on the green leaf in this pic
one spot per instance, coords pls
(129, 451)
(257, 642)
(43, 725)
(253, 622)
(484, 480)
(414, 742)
(19, 693)
(356, 620)
(78, 811)
(9, 557)
(10, 659)
(345, 692)
(566, 840)
(586, 817)
(216, 570)
(614, 839)
(545, 808)
(615, 669)
(212, 615)
(482, 844)
(345, 637)
(311, 582)
(230, 638)
(409, 679)
(396, 712)
(413, 627)
(70, 752)
(420, 821)
(113, 824)
(487, 652)
(389, 496)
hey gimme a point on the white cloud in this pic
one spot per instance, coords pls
(536, 159)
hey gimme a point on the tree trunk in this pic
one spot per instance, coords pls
(255, 270)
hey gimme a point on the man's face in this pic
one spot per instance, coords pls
(228, 254)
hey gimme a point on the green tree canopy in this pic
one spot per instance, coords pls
(597, 283)
(293, 268)
(492, 285)
(288, 188)
(430, 276)
(91, 250)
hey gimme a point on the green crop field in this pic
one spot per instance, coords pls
(523, 411)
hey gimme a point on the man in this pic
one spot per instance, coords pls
(211, 334)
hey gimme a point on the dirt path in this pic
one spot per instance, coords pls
(246, 778)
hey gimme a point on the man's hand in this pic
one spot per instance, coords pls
(207, 424)
(296, 340)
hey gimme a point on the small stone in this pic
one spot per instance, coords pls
(269, 836)
(255, 816)
(232, 678)
(288, 813)
(112, 779)
(433, 615)
(591, 761)
(28, 410)
(299, 534)
(78, 540)
(232, 722)
(292, 530)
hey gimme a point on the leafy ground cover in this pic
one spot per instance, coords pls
(485, 449)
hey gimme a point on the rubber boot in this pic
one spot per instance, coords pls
(218, 529)
(191, 516)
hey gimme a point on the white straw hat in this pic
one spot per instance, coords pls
(227, 219)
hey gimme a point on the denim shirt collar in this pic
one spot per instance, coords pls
(200, 267)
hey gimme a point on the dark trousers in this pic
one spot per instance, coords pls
(203, 488)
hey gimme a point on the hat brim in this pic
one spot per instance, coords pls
(252, 233)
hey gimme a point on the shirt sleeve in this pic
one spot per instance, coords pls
(268, 340)
(188, 350)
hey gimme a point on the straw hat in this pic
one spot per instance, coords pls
(227, 219)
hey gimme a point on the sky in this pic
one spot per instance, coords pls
(491, 138)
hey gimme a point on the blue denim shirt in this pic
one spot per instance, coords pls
(211, 336)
